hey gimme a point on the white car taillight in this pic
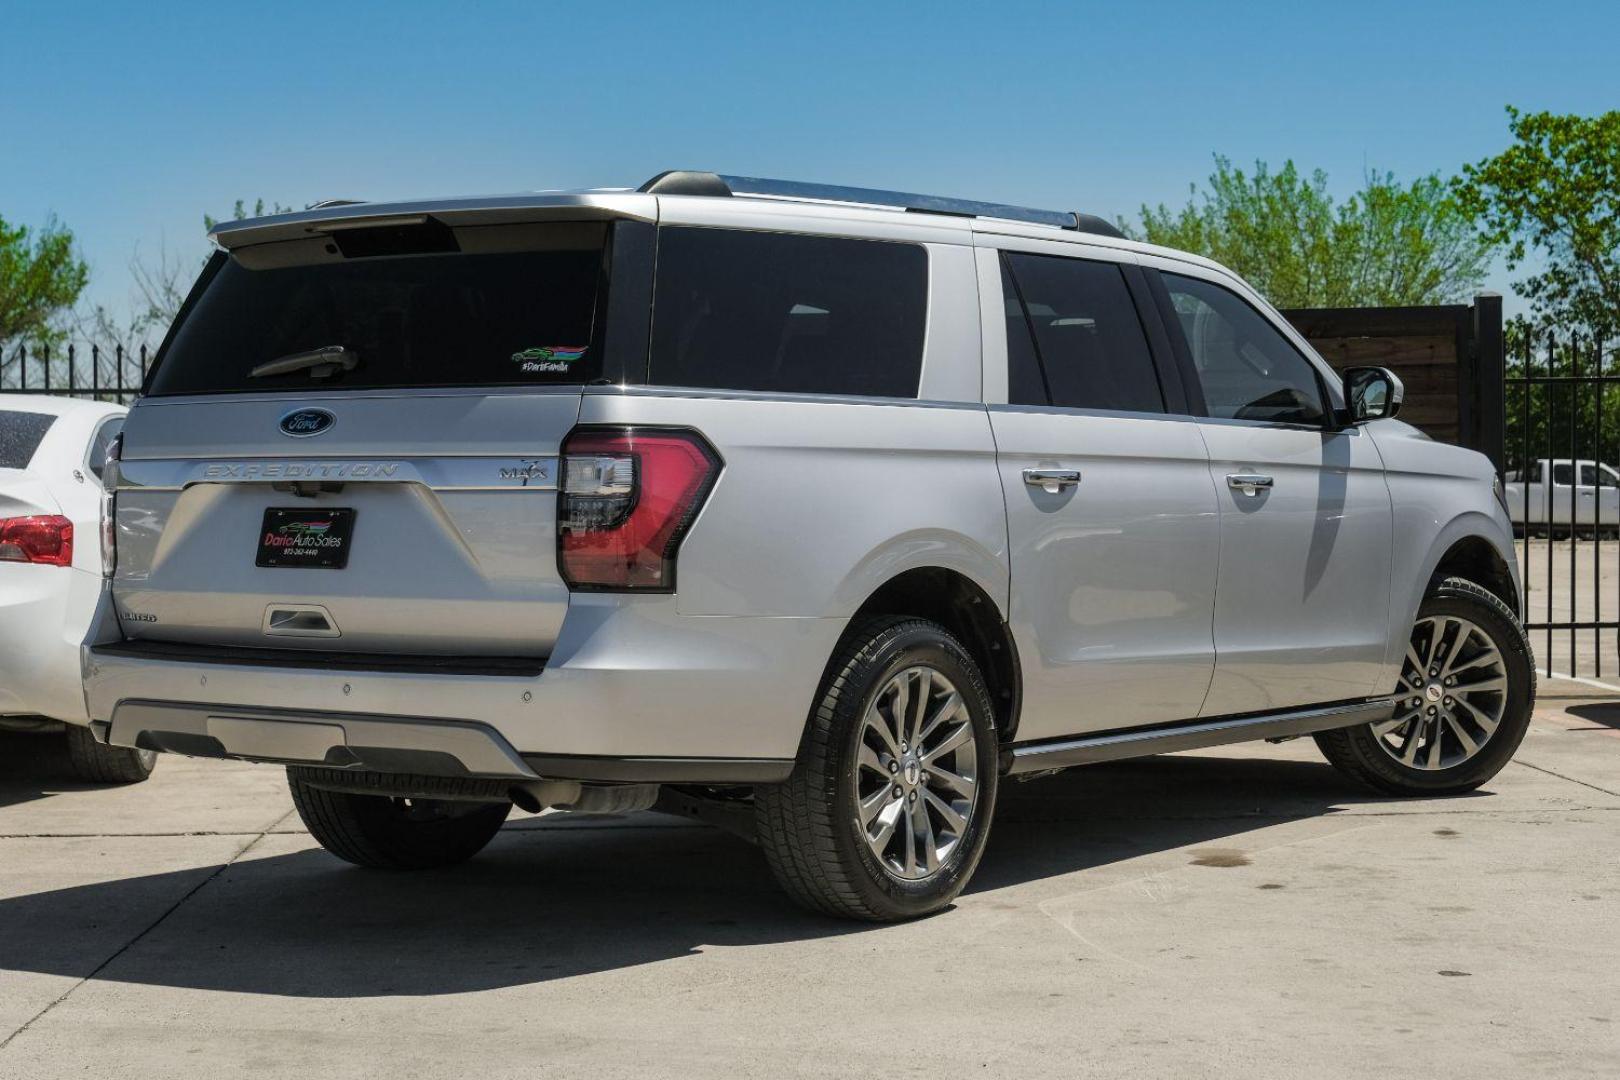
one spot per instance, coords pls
(109, 500)
(626, 500)
(46, 539)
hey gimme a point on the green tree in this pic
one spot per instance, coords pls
(41, 277)
(1556, 192)
(1387, 244)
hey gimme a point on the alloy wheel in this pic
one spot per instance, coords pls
(916, 777)
(1452, 695)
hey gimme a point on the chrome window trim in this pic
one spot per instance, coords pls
(638, 390)
(1117, 414)
(439, 473)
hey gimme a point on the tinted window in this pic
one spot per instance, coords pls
(1248, 370)
(20, 435)
(105, 434)
(1088, 336)
(1563, 474)
(798, 314)
(1025, 383)
(477, 316)
(1591, 476)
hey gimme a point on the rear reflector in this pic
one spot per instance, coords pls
(47, 539)
(628, 496)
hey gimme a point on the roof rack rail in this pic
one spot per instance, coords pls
(685, 182)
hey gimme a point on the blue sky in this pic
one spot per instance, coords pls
(128, 122)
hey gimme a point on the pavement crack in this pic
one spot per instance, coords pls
(1571, 779)
(126, 946)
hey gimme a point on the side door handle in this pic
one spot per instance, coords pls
(1052, 481)
(1251, 484)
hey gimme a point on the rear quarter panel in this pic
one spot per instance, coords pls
(821, 502)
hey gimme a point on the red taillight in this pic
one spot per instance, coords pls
(46, 539)
(627, 498)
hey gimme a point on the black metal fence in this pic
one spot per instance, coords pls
(1562, 470)
(90, 371)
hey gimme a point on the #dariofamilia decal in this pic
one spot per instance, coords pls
(548, 358)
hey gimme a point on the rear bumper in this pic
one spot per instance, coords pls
(397, 744)
(632, 692)
(343, 740)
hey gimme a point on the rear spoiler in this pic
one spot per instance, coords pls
(484, 210)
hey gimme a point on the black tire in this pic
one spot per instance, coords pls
(1356, 752)
(101, 764)
(390, 833)
(808, 825)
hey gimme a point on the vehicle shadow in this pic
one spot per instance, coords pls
(35, 766)
(1606, 713)
(549, 901)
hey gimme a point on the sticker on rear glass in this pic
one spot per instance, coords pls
(548, 359)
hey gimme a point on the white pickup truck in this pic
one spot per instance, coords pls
(1584, 492)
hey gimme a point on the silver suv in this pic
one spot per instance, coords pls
(814, 511)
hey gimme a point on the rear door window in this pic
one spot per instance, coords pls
(1026, 384)
(1088, 337)
(475, 306)
(20, 436)
(788, 313)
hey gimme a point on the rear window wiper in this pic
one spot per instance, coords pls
(320, 363)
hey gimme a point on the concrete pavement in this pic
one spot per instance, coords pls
(1242, 913)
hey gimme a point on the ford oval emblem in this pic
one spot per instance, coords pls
(302, 423)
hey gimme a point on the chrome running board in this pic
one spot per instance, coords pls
(1195, 735)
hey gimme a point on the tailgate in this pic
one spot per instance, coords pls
(443, 505)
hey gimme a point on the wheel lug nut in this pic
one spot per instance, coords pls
(894, 766)
(923, 779)
(898, 791)
(1448, 703)
(1433, 672)
(1432, 710)
(913, 797)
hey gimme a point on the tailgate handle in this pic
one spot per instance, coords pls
(299, 620)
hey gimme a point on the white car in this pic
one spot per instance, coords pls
(52, 453)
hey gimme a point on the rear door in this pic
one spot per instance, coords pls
(1111, 516)
(396, 496)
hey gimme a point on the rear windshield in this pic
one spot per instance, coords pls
(20, 435)
(784, 313)
(484, 306)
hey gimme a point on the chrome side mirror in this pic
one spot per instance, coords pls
(1372, 393)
